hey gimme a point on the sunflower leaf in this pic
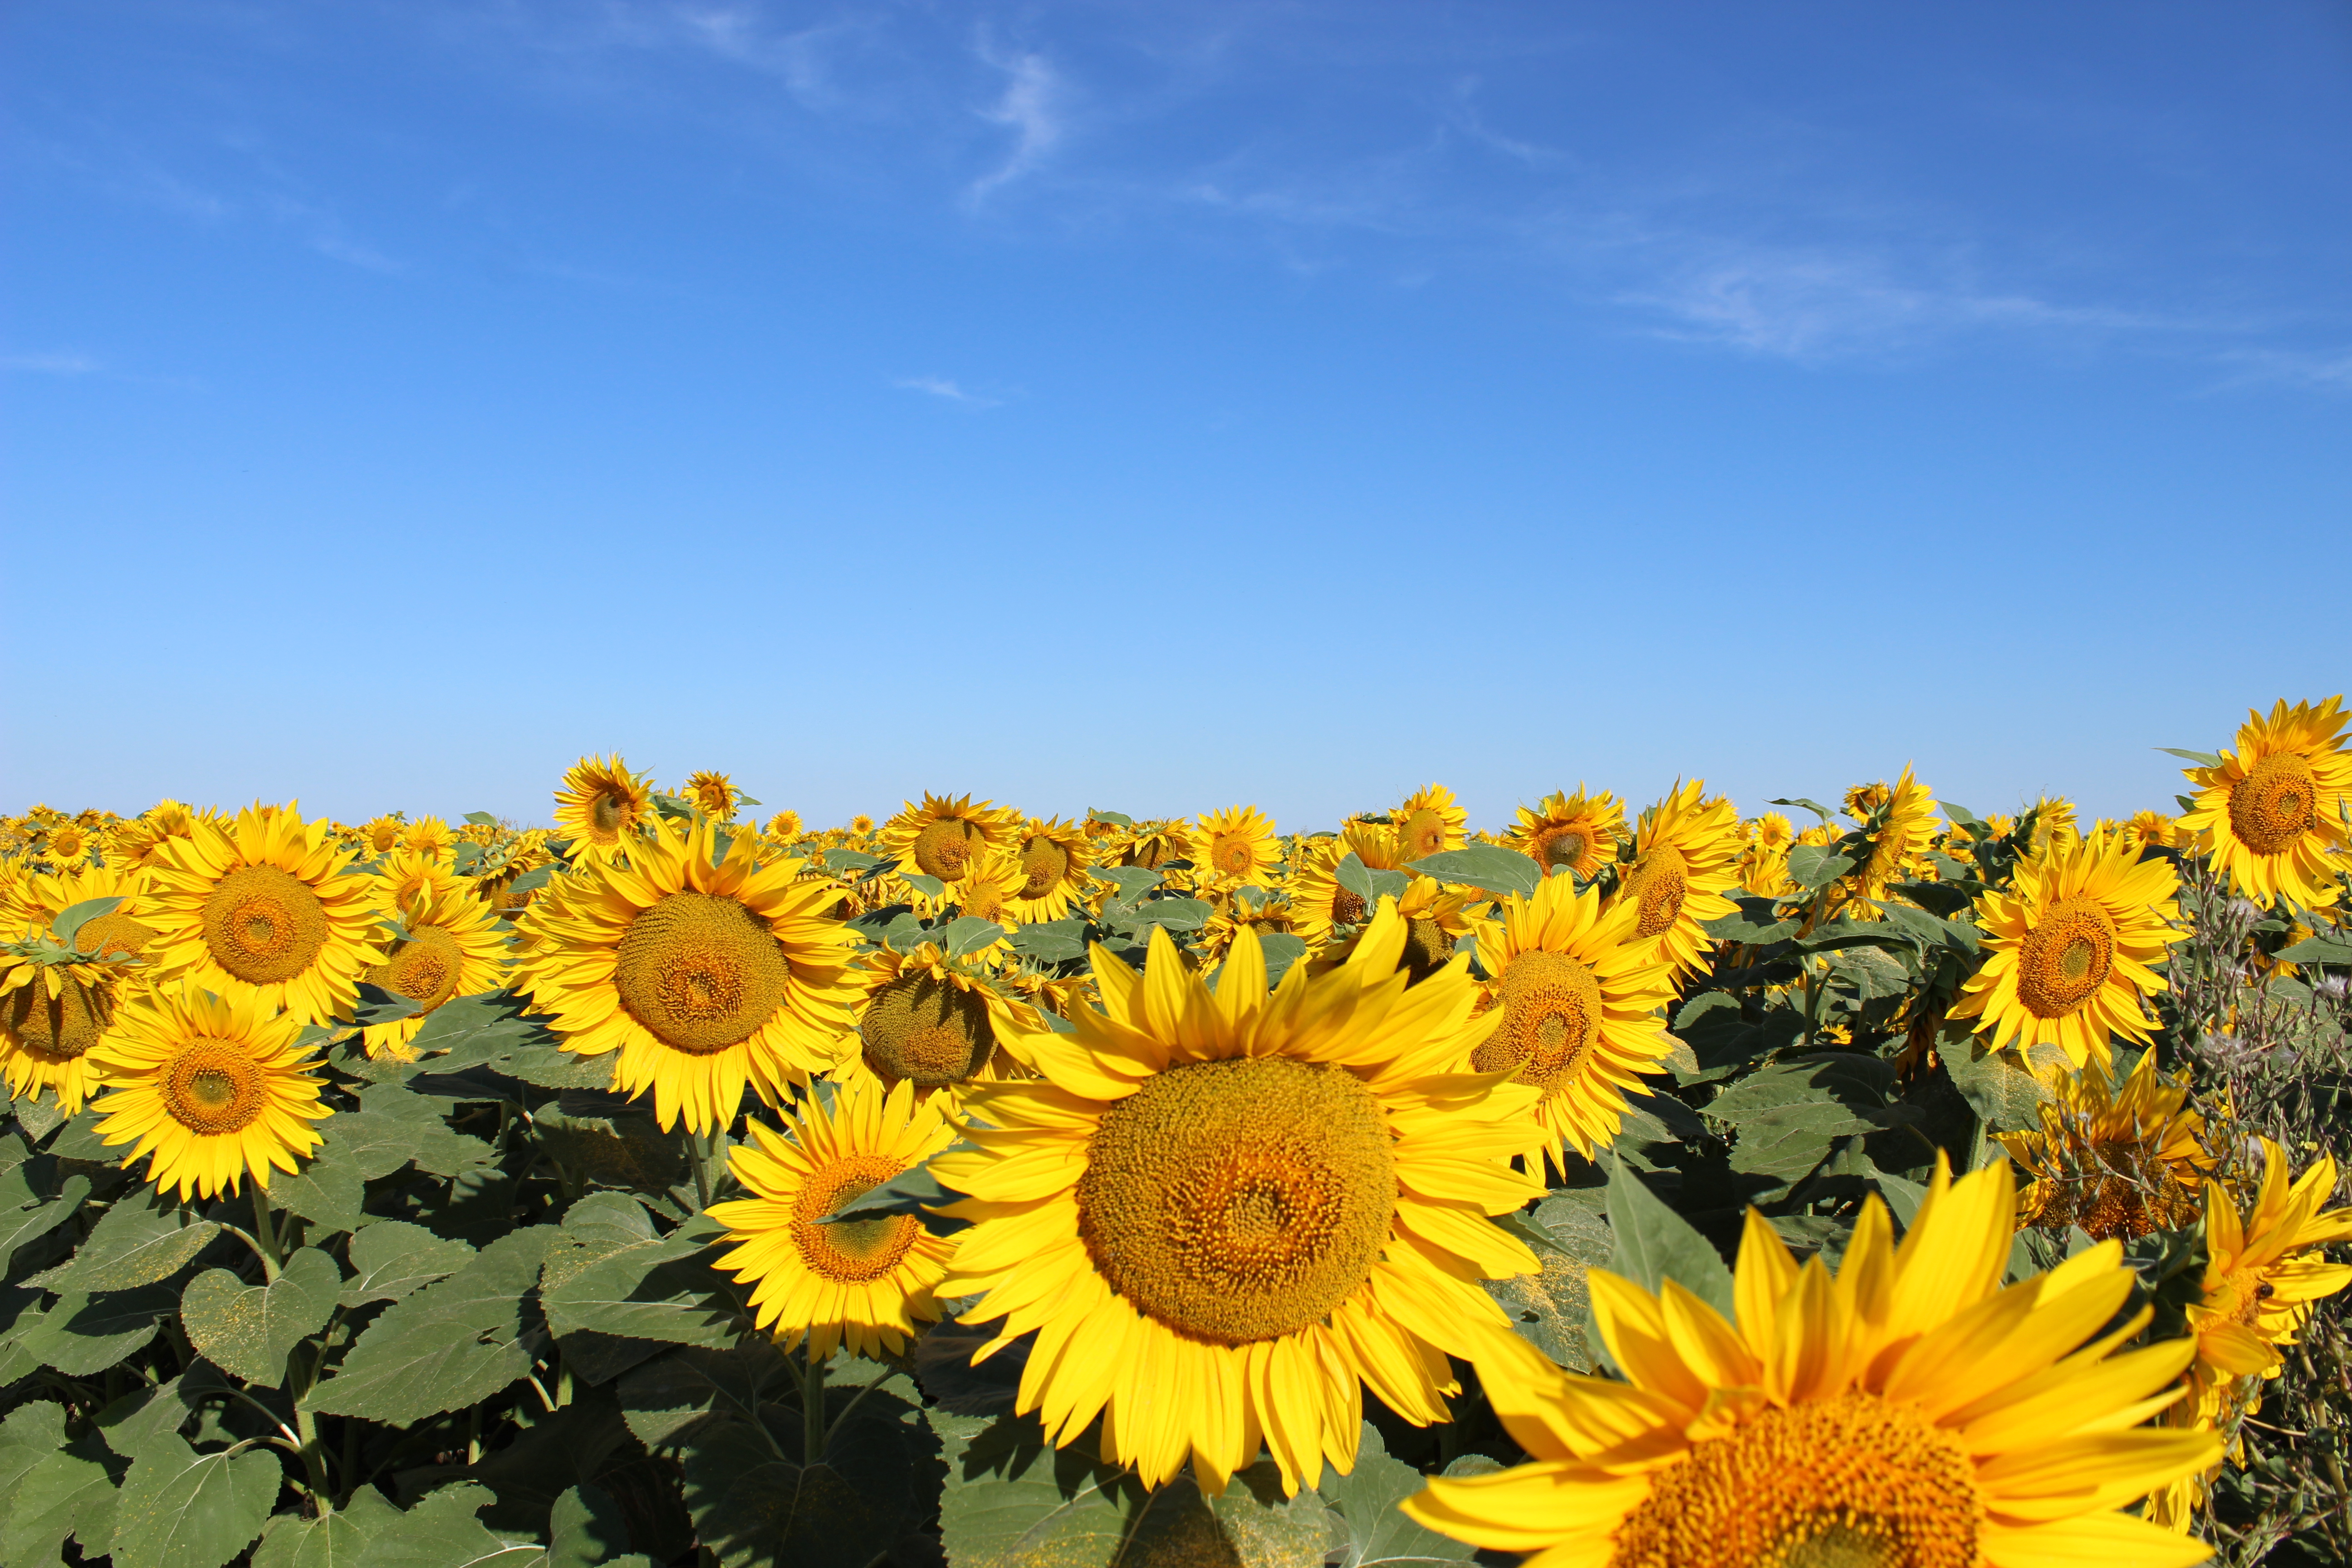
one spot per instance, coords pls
(69, 1491)
(1364, 1501)
(754, 1504)
(448, 1346)
(613, 1276)
(968, 934)
(180, 1508)
(1816, 807)
(73, 917)
(249, 1330)
(1812, 866)
(930, 887)
(2202, 759)
(1489, 867)
(335, 1540)
(1051, 941)
(1655, 1244)
(83, 1334)
(441, 1531)
(30, 1223)
(327, 1192)
(143, 1238)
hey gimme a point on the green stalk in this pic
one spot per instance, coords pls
(267, 1232)
(812, 1407)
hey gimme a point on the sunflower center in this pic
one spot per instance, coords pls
(1346, 908)
(1562, 846)
(424, 968)
(211, 1087)
(263, 925)
(111, 933)
(1427, 947)
(2066, 958)
(2275, 804)
(1657, 885)
(944, 848)
(1239, 1201)
(1850, 1482)
(850, 1251)
(1233, 857)
(1423, 833)
(606, 814)
(927, 1031)
(1044, 863)
(703, 972)
(61, 1026)
(1551, 1016)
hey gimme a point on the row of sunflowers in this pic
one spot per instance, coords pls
(677, 1185)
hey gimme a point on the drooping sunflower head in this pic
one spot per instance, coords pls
(1154, 844)
(2272, 813)
(600, 806)
(2118, 1159)
(1906, 1411)
(1578, 833)
(1428, 823)
(704, 973)
(1900, 821)
(1242, 1199)
(1236, 846)
(214, 1089)
(714, 793)
(865, 1284)
(1686, 857)
(934, 1022)
(1580, 997)
(267, 904)
(2070, 948)
(1053, 857)
(943, 837)
(52, 1014)
(447, 943)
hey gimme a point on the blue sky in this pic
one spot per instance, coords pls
(1164, 406)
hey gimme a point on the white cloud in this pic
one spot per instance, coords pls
(940, 386)
(1028, 106)
(52, 364)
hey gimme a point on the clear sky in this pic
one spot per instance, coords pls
(1159, 406)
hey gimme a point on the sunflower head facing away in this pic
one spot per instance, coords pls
(1908, 1412)
(1225, 1212)
(1578, 833)
(943, 837)
(2118, 1161)
(934, 1022)
(2071, 944)
(1686, 857)
(1235, 847)
(214, 1089)
(1053, 857)
(601, 805)
(52, 1014)
(704, 976)
(2272, 813)
(863, 1284)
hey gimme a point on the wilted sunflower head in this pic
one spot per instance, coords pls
(602, 805)
(2118, 1159)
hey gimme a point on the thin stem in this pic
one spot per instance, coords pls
(267, 1230)
(701, 1172)
(269, 1270)
(546, 1400)
(812, 1405)
(869, 1388)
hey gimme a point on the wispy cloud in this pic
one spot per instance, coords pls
(67, 364)
(2327, 370)
(940, 386)
(1030, 107)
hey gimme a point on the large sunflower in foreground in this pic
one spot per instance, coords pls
(1427, 823)
(1909, 1411)
(1225, 1212)
(266, 904)
(703, 977)
(943, 837)
(1579, 996)
(934, 1022)
(2271, 815)
(451, 945)
(1053, 857)
(859, 1283)
(212, 1088)
(1235, 847)
(1686, 857)
(2070, 947)
(1578, 833)
(52, 1014)
(2118, 1161)
(601, 805)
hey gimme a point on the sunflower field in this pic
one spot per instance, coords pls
(1871, 1184)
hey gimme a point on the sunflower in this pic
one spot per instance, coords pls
(1899, 821)
(52, 1014)
(715, 794)
(428, 837)
(453, 945)
(1153, 845)
(1579, 831)
(934, 1022)
(1235, 847)
(1053, 857)
(703, 977)
(2272, 813)
(1255, 910)
(133, 843)
(944, 834)
(1579, 996)
(212, 1087)
(601, 807)
(1764, 863)
(2070, 943)
(1909, 1410)
(1428, 823)
(2262, 1272)
(1319, 907)
(267, 904)
(2118, 1161)
(2153, 830)
(861, 1283)
(861, 825)
(517, 858)
(1223, 1211)
(991, 886)
(786, 827)
(1686, 855)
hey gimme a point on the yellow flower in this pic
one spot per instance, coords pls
(1579, 996)
(1427, 823)
(134, 843)
(1153, 845)
(1236, 846)
(861, 825)
(52, 1014)
(786, 828)
(860, 1283)
(1231, 913)
(427, 838)
(1764, 863)
(2272, 815)
(1053, 857)
(1225, 1212)
(267, 904)
(2070, 947)
(2153, 830)
(212, 1088)
(2120, 1162)
(1898, 844)
(933, 1023)
(943, 837)
(454, 946)
(1578, 832)
(714, 793)
(1909, 1410)
(1320, 906)
(1686, 855)
(703, 977)
(601, 807)
(2053, 824)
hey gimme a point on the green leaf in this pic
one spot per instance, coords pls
(1489, 867)
(73, 917)
(968, 933)
(2202, 759)
(144, 1237)
(393, 1126)
(441, 1531)
(180, 1508)
(1754, 923)
(2317, 949)
(951, 1383)
(752, 1504)
(1655, 1244)
(1365, 1500)
(391, 1258)
(586, 1530)
(930, 887)
(1133, 881)
(669, 1402)
(69, 1491)
(248, 1329)
(1816, 807)
(448, 1346)
(840, 860)
(31, 1224)
(337, 1540)
(614, 1276)
(1176, 914)
(82, 1335)
(915, 1191)
(1548, 1308)
(127, 1424)
(1282, 949)
(1814, 866)
(1367, 884)
(2005, 1095)
(327, 1192)
(1873, 973)
(1051, 941)
(481, 819)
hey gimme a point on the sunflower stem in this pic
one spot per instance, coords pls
(812, 1405)
(266, 1233)
(701, 1169)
